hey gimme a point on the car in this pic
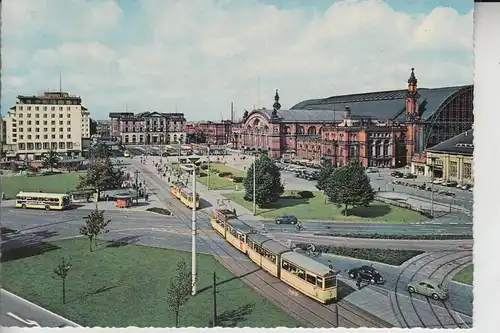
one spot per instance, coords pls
(286, 219)
(465, 187)
(409, 176)
(396, 174)
(450, 183)
(429, 288)
(366, 273)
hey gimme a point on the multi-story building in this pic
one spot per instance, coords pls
(216, 133)
(148, 128)
(388, 128)
(103, 128)
(53, 121)
(86, 124)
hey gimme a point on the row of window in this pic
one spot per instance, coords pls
(263, 252)
(44, 199)
(155, 123)
(45, 145)
(37, 129)
(45, 136)
(45, 122)
(312, 279)
(45, 115)
(467, 171)
(44, 108)
(235, 233)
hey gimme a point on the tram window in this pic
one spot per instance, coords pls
(273, 258)
(319, 282)
(311, 278)
(257, 248)
(241, 237)
(285, 265)
(293, 269)
(234, 233)
(250, 244)
(330, 282)
(301, 274)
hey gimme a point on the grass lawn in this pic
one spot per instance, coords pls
(316, 209)
(465, 275)
(219, 183)
(125, 285)
(59, 183)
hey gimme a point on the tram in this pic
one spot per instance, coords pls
(302, 273)
(185, 195)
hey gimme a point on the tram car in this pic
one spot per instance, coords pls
(184, 194)
(302, 273)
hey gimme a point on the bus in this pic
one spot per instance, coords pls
(40, 200)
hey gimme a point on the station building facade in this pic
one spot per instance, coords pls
(383, 129)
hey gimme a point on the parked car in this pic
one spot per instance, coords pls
(409, 176)
(447, 193)
(366, 273)
(471, 189)
(286, 219)
(428, 288)
(396, 174)
(465, 187)
(449, 183)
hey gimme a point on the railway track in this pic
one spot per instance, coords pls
(309, 312)
(419, 319)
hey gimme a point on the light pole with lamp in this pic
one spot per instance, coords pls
(208, 170)
(254, 169)
(192, 167)
(433, 161)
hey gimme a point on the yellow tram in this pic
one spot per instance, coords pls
(304, 274)
(184, 194)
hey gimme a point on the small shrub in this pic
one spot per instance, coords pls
(203, 174)
(214, 170)
(238, 179)
(225, 174)
(204, 167)
(306, 194)
(158, 210)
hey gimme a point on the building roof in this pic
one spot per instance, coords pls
(307, 263)
(383, 104)
(306, 116)
(462, 144)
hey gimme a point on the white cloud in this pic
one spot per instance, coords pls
(203, 54)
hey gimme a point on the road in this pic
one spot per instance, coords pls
(17, 312)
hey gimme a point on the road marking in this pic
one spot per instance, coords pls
(26, 322)
(40, 308)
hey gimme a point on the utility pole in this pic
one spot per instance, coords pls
(214, 284)
(254, 169)
(193, 234)
(136, 174)
(208, 170)
(433, 159)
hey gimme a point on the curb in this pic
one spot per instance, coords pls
(42, 309)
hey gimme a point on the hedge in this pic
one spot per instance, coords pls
(306, 194)
(396, 236)
(390, 257)
(204, 167)
(238, 179)
(158, 210)
(225, 174)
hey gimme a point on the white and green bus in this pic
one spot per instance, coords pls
(40, 200)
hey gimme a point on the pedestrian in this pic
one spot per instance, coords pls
(358, 282)
(146, 196)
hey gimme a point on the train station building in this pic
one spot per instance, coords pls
(383, 129)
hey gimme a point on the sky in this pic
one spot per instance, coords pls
(198, 56)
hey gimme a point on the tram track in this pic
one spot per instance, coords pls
(435, 256)
(313, 315)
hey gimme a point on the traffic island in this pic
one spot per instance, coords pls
(158, 210)
(315, 207)
(465, 275)
(121, 284)
(55, 183)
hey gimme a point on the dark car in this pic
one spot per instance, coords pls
(410, 176)
(366, 273)
(396, 174)
(286, 219)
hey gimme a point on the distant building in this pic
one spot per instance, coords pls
(53, 121)
(216, 133)
(384, 129)
(450, 160)
(103, 128)
(148, 128)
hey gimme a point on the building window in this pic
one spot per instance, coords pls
(69, 145)
(44, 109)
(68, 136)
(467, 170)
(37, 137)
(60, 109)
(61, 136)
(61, 145)
(53, 136)
(46, 145)
(20, 109)
(60, 122)
(45, 129)
(45, 136)
(38, 145)
(61, 129)
(68, 122)
(453, 169)
(21, 137)
(29, 136)
(45, 122)
(53, 145)
(53, 115)
(30, 146)
(68, 108)
(69, 129)
(21, 146)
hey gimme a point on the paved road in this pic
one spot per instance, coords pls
(25, 312)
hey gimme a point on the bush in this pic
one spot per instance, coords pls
(203, 174)
(390, 257)
(158, 210)
(306, 194)
(225, 174)
(214, 170)
(204, 167)
(238, 179)
(396, 236)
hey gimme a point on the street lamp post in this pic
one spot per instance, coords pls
(192, 168)
(136, 173)
(208, 170)
(254, 171)
(433, 160)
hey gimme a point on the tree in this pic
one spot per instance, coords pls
(349, 186)
(179, 289)
(101, 175)
(324, 174)
(99, 150)
(95, 224)
(50, 160)
(61, 272)
(268, 186)
(245, 114)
